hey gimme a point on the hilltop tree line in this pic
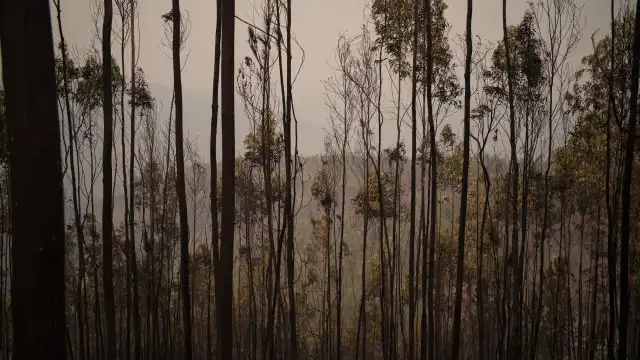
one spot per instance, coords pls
(493, 215)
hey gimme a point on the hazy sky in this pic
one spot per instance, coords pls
(317, 24)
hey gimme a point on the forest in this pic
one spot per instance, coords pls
(474, 199)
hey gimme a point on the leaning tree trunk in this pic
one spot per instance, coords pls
(38, 253)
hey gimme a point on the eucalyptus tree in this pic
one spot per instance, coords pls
(554, 49)
(89, 98)
(224, 295)
(357, 65)
(341, 101)
(626, 192)
(414, 155)
(324, 194)
(390, 19)
(123, 37)
(600, 104)
(213, 163)
(36, 186)
(517, 65)
(428, 322)
(486, 117)
(465, 184)
(175, 18)
(143, 100)
(143, 107)
(107, 216)
(290, 171)
(264, 147)
(528, 78)
(68, 70)
(513, 170)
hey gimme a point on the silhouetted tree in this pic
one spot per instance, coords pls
(37, 215)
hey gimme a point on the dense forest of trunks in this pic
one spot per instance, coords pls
(517, 238)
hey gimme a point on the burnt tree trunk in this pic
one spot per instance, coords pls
(465, 186)
(180, 185)
(626, 193)
(224, 295)
(38, 251)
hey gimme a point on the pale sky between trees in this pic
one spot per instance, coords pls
(317, 25)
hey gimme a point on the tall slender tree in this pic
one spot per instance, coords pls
(123, 11)
(213, 154)
(37, 215)
(77, 220)
(465, 185)
(180, 184)
(137, 344)
(433, 195)
(107, 183)
(289, 213)
(513, 169)
(611, 209)
(414, 155)
(224, 295)
(626, 192)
